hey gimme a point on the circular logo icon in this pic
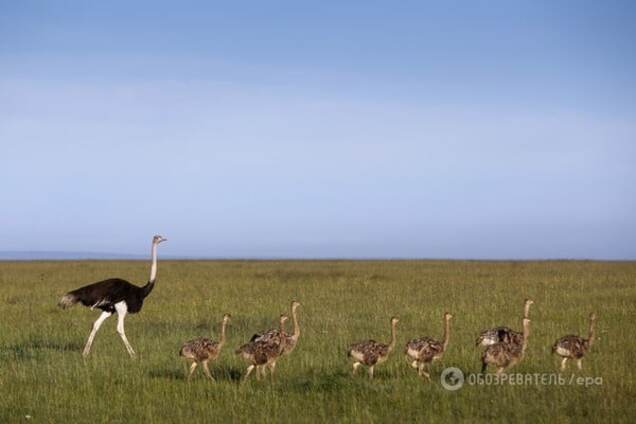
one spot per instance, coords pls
(452, 379)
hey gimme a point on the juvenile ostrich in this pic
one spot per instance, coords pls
(264, 353)
(290, 339)
(370, 352)
(504, 334)
(424, 350)
(505, 355)
(575, 347)
(113, 295)
(203, 350)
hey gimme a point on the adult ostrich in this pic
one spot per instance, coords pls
(113, 295)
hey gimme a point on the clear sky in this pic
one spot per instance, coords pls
(476, 129)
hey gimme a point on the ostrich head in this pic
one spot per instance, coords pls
(295, 304)
(395, 320)
(592, 316)
(226, 317)
(283, 318)
(526, 307)
(448, 315)
(158, 239)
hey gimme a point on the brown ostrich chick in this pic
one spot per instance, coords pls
(203, 350)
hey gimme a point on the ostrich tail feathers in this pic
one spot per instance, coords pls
(247, 348)
(554, 347)
(67, 301)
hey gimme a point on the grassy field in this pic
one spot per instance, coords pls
(43, 376)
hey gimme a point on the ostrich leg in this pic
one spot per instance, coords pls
(98, 323)
(249, 371)
(122, 310)
(427, 371)
(206, 369)
(272, 368)
(193, 367)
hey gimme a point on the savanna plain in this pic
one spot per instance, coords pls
(43, 377)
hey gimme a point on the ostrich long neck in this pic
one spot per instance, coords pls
(222, 338)
(296, 326)
(526, 309)
(393, 338)
(153, 267)
(281, 330)
(153, 271)
(526, 333)
(446, 333)
(591, 334)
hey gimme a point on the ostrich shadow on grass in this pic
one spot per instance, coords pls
(31, 349)
(324, 382)
(219, 372)
(335, 381)
(331, 382)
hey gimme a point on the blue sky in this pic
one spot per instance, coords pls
(477, 129)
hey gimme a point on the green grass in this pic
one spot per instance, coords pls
(43, 375)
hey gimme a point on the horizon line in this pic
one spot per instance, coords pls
(106, 257)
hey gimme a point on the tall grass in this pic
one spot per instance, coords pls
(43, 376)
